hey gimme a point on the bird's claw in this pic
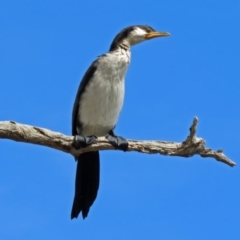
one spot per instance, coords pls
(81, 141)
(118, 142)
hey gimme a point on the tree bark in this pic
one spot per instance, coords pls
(41, 136)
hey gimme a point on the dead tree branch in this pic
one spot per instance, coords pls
(35, 135)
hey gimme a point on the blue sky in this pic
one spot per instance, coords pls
(45, 48)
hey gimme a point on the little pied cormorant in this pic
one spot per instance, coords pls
(96, 110)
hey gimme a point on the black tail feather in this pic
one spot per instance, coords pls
(86, 183)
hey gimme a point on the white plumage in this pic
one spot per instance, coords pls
(103, 97)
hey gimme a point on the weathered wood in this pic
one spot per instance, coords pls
(41, 136)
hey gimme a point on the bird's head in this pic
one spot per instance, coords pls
(135, 34)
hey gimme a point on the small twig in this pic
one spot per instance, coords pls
(41, 136)
(193, 128)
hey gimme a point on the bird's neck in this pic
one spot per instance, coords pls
(120, 44)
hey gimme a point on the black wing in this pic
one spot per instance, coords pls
(76, 124)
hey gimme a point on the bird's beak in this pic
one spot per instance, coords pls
(156, 34)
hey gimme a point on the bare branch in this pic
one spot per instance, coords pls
(41, 136)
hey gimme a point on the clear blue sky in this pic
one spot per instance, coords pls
(45, 48)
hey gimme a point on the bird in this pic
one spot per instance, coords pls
(96, 109)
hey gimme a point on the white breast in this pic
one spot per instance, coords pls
(102, 99)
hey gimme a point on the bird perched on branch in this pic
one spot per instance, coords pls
(96, 110)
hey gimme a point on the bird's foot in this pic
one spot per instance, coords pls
(81, 141)
(118, 142)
